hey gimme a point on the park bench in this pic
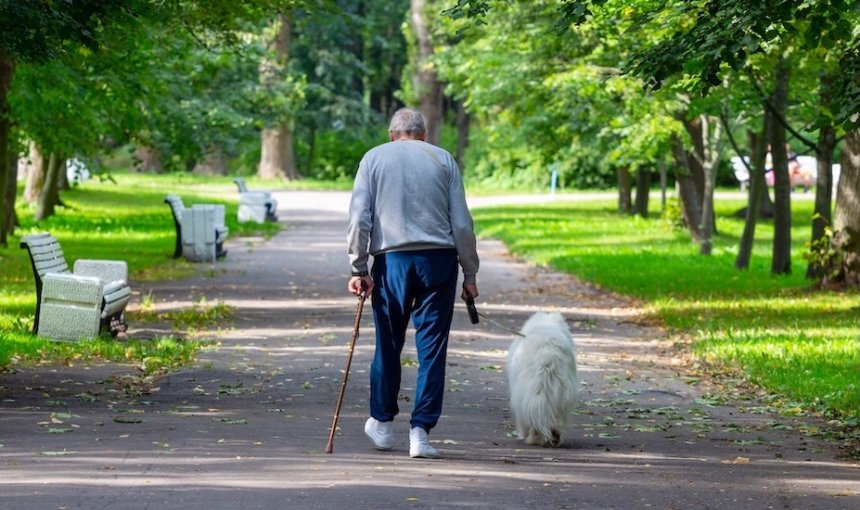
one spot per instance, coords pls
(79, 304)
(255, 206)
(200, 230)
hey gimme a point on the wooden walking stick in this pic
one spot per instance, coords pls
(361, 298)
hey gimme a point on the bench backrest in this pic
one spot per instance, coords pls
(176, 207)
(46, 256)
(240, 183)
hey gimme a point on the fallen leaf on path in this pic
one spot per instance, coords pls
(738, 460)
(128, 420)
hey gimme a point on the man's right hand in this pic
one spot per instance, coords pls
(470, 289)
(357, 284)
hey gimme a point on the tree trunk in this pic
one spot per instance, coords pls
(846, 219)
(11, 192)
(212, 163)
(758, 188)
(691, 202)
(643, 188)
(277, 157)
(625, 188)
(462, 133)
(8, 173)
(37, 169)
(63, 176)
(50, 196)
(427, 86)
(781, 263)
(703, 163)
(822, 217)
(148, 160)
(695, 160)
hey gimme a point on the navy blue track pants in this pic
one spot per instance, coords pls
(420, 284)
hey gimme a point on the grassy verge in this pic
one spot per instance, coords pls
(775, 331)
(124, 219)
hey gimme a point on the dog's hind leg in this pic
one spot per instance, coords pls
(556, 438)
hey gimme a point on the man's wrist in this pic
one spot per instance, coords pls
(359, 274)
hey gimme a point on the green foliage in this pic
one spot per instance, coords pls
(38, 30)
(338, 151)
(773, 330)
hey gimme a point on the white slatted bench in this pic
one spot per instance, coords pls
(255, 206)
(200, 230)
(79, 304)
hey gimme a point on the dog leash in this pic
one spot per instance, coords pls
(501, 326)
(474, 314)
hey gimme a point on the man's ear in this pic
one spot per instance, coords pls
(390, 135)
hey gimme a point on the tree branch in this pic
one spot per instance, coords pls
(724, 118)
(778, 116)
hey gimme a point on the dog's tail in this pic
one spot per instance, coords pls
(553, 396)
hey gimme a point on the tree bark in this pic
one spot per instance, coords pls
(758, 188)
(212, 163)
(148, 160)
(427, 85)
(50, 197)
(691, 202)
(277, 157)
(781, 262)
(704, 161)
(822, 216)
(846, 219)
(625, 188)
(8, 172)
(37, 169)
(643, 188)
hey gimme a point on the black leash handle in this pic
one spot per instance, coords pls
(470, 306)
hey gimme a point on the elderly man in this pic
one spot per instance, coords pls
(409, 212)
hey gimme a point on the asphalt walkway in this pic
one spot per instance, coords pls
(246, 425)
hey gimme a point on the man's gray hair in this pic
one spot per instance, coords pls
(409, 121)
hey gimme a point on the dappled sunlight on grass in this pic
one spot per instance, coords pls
(122, 220)
(773, 329)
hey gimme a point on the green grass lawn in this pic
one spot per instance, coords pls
(125, 220)
(774, 330)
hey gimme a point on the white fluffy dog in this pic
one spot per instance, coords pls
(542, 379)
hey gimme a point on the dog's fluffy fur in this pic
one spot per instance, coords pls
(542, 379)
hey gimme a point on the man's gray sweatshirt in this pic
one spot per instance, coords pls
(408, 195)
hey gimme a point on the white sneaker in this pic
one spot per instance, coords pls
(380, 432)
(419, 445)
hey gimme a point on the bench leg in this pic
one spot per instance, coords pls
(115, 324)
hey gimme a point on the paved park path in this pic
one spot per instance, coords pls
(246, 425)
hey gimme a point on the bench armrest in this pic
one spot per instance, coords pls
(106, 270)
(65, 287)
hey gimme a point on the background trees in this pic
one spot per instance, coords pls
(598, 92)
